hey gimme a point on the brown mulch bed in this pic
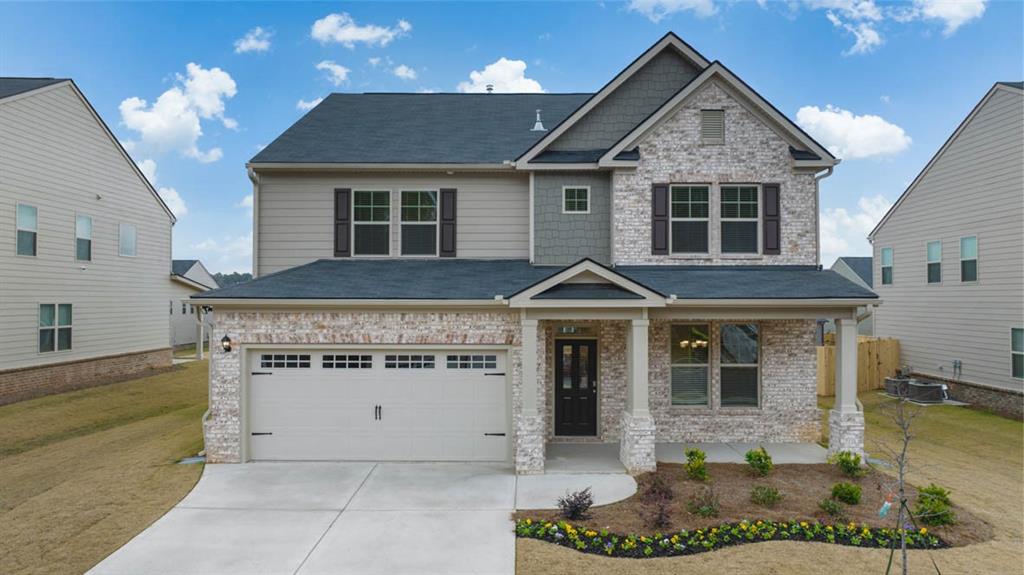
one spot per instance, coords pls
(802, 487)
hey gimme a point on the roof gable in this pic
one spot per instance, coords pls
(10, 86)
(857, 266)
(584, 282)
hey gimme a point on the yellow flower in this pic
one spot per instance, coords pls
(803, 524)
(529, 521)
(590, 533)
(743, 526)
(924, 531)
(759, 522)
(829, 528)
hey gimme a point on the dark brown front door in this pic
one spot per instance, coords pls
(575, 387)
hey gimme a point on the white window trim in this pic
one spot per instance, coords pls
(18, 228)
(391, 210)
(976, 258)
(928, 262)
(436, 223)
(891, 266)
(1013, 353)
(711, 349)
(759, 365)
(56, 327)
(757, 219)
(120, 228)
(671, 219)
(77, 237)
(576, 212)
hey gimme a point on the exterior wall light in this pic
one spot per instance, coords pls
(225, 344)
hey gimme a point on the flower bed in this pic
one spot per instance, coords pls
(688, 542)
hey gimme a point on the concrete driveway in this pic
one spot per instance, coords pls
(340, 518)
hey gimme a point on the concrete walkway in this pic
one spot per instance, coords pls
(365, 518)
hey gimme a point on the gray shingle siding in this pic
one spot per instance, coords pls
(566, 238)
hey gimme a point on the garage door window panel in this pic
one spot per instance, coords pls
(472, 361)
(285, 360)
(347, 361)
(402, 361)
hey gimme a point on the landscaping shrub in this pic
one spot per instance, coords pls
(705, 503)
(835, 509)
(575, 505)
(934, 506)
(695, 466)
(849, 463)
(658, 513)
(760, 461)
(657, 489)
(765, 495)
(846, 492)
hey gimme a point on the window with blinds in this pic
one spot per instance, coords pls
(689, 364)
(689, 214)
(739, 352)
(712, 126)
(740, 217)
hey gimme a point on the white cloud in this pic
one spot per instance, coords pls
(374, 61)
(245, 203)
(174, 201)
(336, 73)
(850, 136)
(657, 10)
(422, 90)
(955, 13)
(505, 75)
(148, 169)
(342, 29)
(867, 37)
(853, 9)
(174, 120)
(228, 253)
(308, 105)
(255, 40)
(404, 72)
(845, 234)
(885, 98)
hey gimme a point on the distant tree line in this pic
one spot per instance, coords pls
(231, 278)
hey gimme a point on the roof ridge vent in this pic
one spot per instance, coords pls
(539, 126)
(490, 88)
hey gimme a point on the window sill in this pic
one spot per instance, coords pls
(742, 257)
(697, 410)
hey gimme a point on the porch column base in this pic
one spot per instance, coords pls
(636, 446)
(845, 432)
(529, 444)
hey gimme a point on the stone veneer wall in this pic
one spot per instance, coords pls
(752, 153)
(223, 426)
(789, 405)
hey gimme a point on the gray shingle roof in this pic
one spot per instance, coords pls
(1018, 85)
(418, 128)
(860, 266)
(11, 86)
(446, 279)
(181, 267)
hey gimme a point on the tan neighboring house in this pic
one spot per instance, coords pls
(470, 277)
(189, 323)
(948, 259)
(85, 247)
(858, 270)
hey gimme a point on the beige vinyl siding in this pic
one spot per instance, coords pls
(58, 158)
(183, 326)
(975, 188)
(198, 273)
(296, 213)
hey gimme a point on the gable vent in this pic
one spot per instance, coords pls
(712, 126)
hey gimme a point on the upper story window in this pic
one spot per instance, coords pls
(371, 223)
(419, 223)
(28, 228)
(689, 205)
(739, 219)
(969, 259)
(689, 364)
(83, 238)
(576, 200)
(1017, 352)
(934, 256)
(886, 266)
(739, 365)
(712, 126)
(127, 238)
(54, 327)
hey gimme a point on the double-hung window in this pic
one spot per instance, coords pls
(54, 327)
(419, 223)
(371, 224)
(886, 266)
(689, 219)
(739, 219)
(28, 229)
(127, 238)
(689, 364)
(1017, 352)
(969, 259)
(575, 200)
(739, 365)
(934, 254)
(83, 238)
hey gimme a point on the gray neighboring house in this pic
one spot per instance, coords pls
(189, 323)
(858, 270)
(85, 246)
(469, 277)
(947, 258)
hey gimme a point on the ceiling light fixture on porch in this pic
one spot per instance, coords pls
(225, 344)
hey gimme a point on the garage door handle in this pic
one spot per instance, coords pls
(262, 433)
(262, 373)
(495, 434)
(494, 374)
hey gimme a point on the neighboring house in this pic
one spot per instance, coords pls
(471, 276)
(948, 260)
(189, 277)
(857, 270)
(85, 245)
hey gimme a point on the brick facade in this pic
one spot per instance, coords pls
(37, 381)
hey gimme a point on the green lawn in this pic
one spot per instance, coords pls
(82, 472)
(190, 351)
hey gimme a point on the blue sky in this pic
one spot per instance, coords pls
(883, 84)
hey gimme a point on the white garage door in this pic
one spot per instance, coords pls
(400, 405)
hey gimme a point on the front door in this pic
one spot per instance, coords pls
(575, 387)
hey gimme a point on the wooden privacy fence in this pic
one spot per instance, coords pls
(877, 359)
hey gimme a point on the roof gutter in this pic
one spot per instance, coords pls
(370, 167)
(498, 301)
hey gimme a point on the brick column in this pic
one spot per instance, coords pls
(846, 421)
(636, 446)
(529, 423)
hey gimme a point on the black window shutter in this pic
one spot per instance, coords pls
(447, 247)
(659, 219)
(771, 220)
(342, 222)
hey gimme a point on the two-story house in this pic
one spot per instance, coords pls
(188, 322)
(472, 276)
(85, 247)
(947, 259)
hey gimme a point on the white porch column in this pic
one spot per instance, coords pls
(199, 332)
(636, 446)
(529, 423)
(846, 422)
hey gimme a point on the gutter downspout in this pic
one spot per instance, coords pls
(817, 209)
(255, 178)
